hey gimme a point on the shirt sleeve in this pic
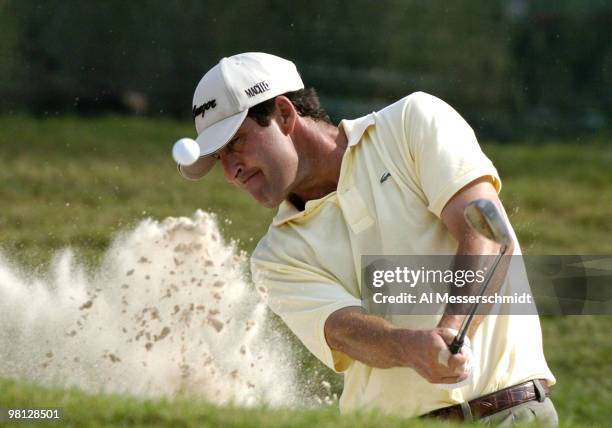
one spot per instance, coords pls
(304, 299)
(443, 148)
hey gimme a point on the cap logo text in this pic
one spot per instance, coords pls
(258, 88)
(202, 109)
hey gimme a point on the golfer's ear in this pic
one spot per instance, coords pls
(287, 114)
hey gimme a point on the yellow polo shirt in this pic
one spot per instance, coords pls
(309, 261)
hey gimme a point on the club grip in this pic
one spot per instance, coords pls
(456, 345)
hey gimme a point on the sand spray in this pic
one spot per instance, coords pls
(168, 312)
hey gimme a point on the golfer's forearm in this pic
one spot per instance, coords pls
(366, 338)
(455, 313)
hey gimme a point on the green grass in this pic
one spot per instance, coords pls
(81, 410)
(578, 350)
(76, 182)
(558, 196)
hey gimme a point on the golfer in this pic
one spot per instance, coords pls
(393, 182)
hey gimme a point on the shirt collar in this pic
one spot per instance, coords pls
(354, 130)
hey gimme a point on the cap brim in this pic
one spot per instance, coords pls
(218, 134)
(198, 169)
(211, 139)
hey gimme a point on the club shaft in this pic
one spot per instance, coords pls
(457, 343)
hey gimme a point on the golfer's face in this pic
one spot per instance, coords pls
(261, 160)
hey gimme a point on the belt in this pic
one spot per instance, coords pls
(495, 402)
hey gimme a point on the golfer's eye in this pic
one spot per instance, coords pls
(232, 145)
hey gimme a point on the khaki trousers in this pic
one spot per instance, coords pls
(543, 413)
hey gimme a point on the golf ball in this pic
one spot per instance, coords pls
(186, 151)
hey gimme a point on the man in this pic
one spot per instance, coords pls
(392, 182)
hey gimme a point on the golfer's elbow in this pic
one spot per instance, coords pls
(511, 247)
(338, 329)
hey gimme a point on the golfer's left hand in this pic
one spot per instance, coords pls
(422, 353)
(445, 357)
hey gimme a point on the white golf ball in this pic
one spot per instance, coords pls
(186, 151)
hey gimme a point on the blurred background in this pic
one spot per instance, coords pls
(514, 69)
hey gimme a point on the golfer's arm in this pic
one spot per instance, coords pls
(470, 243)
(367, 338)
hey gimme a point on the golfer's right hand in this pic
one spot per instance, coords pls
(422, 348)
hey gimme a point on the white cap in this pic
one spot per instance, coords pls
(224, 95)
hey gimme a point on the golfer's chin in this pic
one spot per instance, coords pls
(266, 200)
(267, 193)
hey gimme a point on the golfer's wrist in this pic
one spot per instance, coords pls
(451, 321)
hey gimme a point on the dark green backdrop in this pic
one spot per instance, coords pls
(514, 68)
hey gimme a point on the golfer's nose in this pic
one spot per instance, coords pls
(232, 166)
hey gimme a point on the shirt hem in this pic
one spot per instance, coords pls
(438, 205)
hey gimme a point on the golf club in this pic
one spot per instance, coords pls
(483, 216)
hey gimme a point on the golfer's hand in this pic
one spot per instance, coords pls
(422, 356)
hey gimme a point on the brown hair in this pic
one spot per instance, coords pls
(306, 102)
